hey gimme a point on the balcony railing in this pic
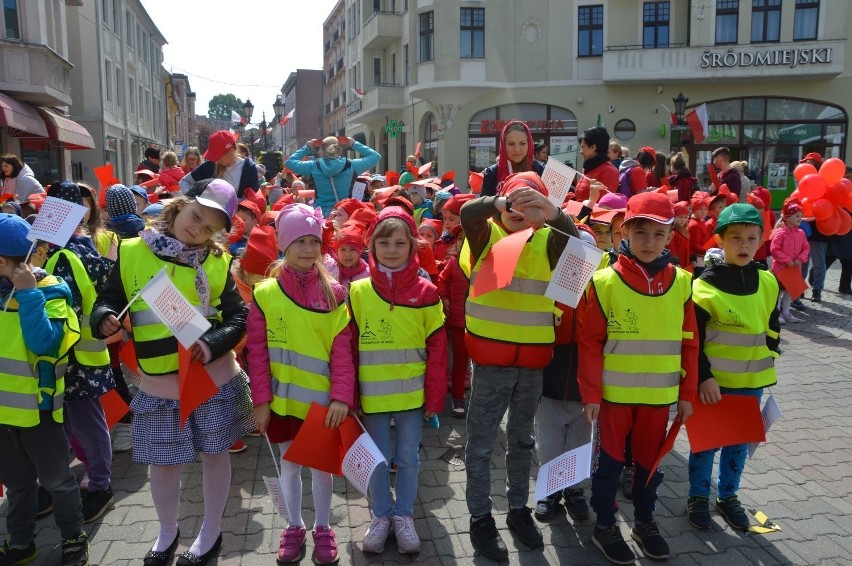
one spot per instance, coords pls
(382, 29)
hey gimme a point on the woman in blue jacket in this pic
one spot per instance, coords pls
(332, 173)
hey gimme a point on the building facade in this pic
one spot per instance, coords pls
(447, 75)
(302, 94)
(119, 92)
(36, 90)
(334, 91)
(180, 104)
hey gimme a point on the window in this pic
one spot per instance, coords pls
(590, 31)
(655, 24)
(119, 89)
(765, 21)
(132, 98)
(727, 20)
(472, 33)
(108, 81)
(427, 36)
(377, 5)
(393, 68)
(105, 11)
(116, 18)
(405, 63)
(129, 18)
(10, 17)
(805, 21)
(377, 71)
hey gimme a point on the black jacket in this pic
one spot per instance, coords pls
(221, 338)
(489, 178)
(248, 176)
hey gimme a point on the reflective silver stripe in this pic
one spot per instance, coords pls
(58, 400)
(392, 386)
(508, 316)
(147, 317)
(300, 361)
(18, 400)
(740, 366)
(84, 320)
(297, 393)
(643, 347)
(86, 345)
(380, 357)
(59, 369)
(733, 339)
(646, 379)
(521, 285)
(16, 367)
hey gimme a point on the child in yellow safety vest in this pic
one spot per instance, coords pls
(401, 351)
(40, 328)
(298, 353)
(510, 337)
(184, 240)
(738, 329)
(632, 368)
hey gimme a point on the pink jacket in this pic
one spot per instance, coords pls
(171, 177)
(305, 290)
(788, 244)
(349, 274)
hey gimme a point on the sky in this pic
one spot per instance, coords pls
(283, 35)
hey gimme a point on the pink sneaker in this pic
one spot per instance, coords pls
(292, 547)
(325, 547)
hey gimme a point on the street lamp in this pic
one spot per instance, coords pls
(263, 125)
(248, 110)
(680, 102)
(278, 106)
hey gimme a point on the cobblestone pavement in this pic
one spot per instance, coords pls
(802, 479)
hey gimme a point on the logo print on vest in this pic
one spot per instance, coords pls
(277, 332)
(384, 333)
(627, 324)
(729, 318)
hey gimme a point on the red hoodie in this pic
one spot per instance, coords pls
(592, 334)
(406, 287)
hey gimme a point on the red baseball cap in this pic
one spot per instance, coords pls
(652, 206)
(219, 144)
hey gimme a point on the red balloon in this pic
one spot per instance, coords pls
(807, 207)
(836, 193)
(845, 223)
(795, 194)
(848, 204)
(812, 186)
(823, 208)
(803, 169)
(832, 170)
(830, 225)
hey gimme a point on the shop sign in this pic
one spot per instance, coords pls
(483, 142)
(777, 177)
(765, 58)
(496, 126)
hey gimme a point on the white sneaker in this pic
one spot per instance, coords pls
(122, 441)
(407, 540)
(791, 318)
(377, 535)
(781, 320)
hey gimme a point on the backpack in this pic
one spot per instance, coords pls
(624, 182)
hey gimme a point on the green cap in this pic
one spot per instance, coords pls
(738, 214)
(405, 178)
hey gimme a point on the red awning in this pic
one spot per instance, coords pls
(22, 119)
(66, 130)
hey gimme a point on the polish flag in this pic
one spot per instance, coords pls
(358, 92)
(286, 118)
(235, 117)
(697, 120)
(672, 114)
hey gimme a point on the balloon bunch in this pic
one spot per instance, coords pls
(825, 195)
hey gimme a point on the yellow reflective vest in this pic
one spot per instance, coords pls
(518, 313)
(299, 341)
(735, 337)
(391, 349)
(89, 351)
(642, 362)
(156, 346)
(21, 382)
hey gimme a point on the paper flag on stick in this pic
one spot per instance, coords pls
(714, 175)
(360, 461)
(767, 225)
(733, 420)
(317, 446)
(127, 354)
(273, 486)
(114, 407)
(498, 268)
(174, 310)
(105, 175)
(194, 384)
(770, 414)
(558, 178)
(358, 189)
(792, 281)
(565, 470)
(573, 272)
(667, 446)
(56, 221)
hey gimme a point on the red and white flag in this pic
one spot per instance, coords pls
(174, 310)
(558, 178)
(575, 268)
(56, 221)
(286, 118)
(358, 92)
(697, 120)
(671, 114)
(360, 461)
(235, 117)
(564, 471)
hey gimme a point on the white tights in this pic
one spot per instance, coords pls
(291, 486)
(784, 302)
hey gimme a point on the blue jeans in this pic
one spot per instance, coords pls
(731, 462)
(818, 251)
(408, 429)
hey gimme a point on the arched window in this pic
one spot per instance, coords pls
(429, 146)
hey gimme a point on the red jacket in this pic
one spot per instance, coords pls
(680, 247)
(593, 331)
(699, 233)
(453, 287)
(170, 178)
(406, 287)
(605, 173)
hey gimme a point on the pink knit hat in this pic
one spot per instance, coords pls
(295, 221)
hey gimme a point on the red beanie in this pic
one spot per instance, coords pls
(238, 230)
(364, 216)
(455, 202)
(755, 201)
(525, 180)
(350, 205)
(436, 225)
(681, 208)
(251, 206)
(352, 234)
(261, 251)
(283, 201)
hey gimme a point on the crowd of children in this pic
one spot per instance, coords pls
(359, 308)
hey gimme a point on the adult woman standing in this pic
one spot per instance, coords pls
(17, 178)
(332, 173)
(223, 162)
(515, 155)
(191, 160)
